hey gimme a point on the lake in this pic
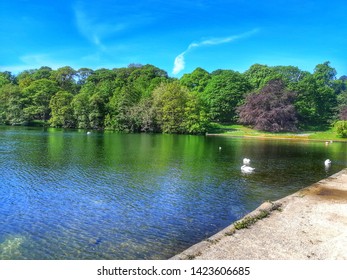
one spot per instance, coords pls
(66, 194)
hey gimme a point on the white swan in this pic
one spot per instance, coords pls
(88, 132)
(327, 162)
(246, 161)
(247, 169)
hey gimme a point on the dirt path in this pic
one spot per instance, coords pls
(309, 224)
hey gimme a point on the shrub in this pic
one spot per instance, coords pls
(341, 128)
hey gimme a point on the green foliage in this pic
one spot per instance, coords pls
(259, 75)
(61, 110)
(12, 103)
(316, 100)
(197, 80)
(142, 98)
(224, 93)
(80, 107)
(39, 94)
(169, 101)
(196, 118)
(341, 128)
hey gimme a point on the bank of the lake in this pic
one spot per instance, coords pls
(309, 224)
(246, 132)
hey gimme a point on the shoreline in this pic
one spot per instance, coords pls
(270, 137)
(308, 224)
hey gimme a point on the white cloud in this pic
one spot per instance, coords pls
(179, 62)
(95, 29)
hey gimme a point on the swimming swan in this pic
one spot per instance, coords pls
(246, 169)
(327, 162)
(246, 161)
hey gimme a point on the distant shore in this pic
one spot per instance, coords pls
(242, 131)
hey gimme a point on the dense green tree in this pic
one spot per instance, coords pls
(39, 94)
(289, 74)
(81, 108)
(61, 110)
(65, 78)
(121, 114)
(143, 98)
(317, 100)
(43, 72)
(100, 75)
(144, 79)
(325, 73)
(196, 118)
(224, 93)
(169, 101)
(259, 75)
(197, 80)
(6, 78)
(12, 103)
(82, 75)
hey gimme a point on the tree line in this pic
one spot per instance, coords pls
(143, 98)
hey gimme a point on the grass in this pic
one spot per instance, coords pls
(243, 131)
(250, 220)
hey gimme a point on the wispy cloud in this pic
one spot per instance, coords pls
(98, 23)
(179, 63)
(93, 29)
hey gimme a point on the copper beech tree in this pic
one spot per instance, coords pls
(270, 109)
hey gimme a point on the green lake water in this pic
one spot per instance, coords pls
(66, 194)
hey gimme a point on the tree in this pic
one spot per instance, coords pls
(122, 114)
(12, 103)
(342, 105)
(224, 93)
(259, 75)
(343, 113)
(169, 101)
(289, 74)
(317, 100)
(325, 73)
(6, 78)
(39, 94)
(81, 108)
(144, 79)
(145, 115)
(196, 118)
(197, 80)
(271, 109)
(65, 78)
(82, 75)
(61, 111)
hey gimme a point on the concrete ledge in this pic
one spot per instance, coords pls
(309, 224)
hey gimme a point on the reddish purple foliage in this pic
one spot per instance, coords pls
(343, 114)
(272, 109)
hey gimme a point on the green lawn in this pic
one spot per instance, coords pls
(243, 131)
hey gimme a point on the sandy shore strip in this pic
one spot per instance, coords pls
(309, 224)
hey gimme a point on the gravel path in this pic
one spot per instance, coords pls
(309, 224)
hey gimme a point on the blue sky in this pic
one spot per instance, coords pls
(176, 36)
